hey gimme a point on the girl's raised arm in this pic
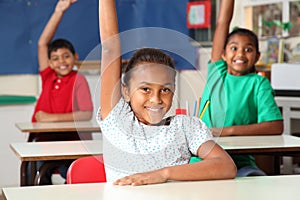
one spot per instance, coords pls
(222, 29)
(111, 60)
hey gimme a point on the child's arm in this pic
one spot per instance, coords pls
(49, 32)
(111, 61)
(222, 29)
(263, 128)
(216, 164)
(42, 116)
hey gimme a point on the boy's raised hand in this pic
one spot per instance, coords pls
(63, 5)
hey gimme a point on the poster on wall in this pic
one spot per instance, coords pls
(198, 14)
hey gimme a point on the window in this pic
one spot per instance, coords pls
(275, 20)
(204, 36)
(295, 18)
(273, 17)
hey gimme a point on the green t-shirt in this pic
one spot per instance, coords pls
(237, 100)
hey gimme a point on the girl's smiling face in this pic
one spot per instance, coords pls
(150, 91)
(240, 55)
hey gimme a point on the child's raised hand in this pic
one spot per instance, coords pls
(145, 178)
(63, 5)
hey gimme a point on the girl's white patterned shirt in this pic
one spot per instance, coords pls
(130, 146)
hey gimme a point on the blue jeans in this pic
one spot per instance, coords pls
(250, 171)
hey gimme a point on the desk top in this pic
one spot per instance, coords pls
(80, 126)
(260, 144)
(287, 101)
(247, 188)
(34, 151)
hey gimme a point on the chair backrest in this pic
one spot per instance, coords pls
(88, 169)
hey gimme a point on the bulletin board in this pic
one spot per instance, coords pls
(198, 14)
(22, 22)
(167, 14)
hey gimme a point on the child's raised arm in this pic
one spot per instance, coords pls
(111, 60)
(49, 32)
(222, 29)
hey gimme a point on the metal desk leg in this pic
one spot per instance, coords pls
(33, 172)
(23, 173)
(277, 165)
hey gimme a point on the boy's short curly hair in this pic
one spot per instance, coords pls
(60, 43)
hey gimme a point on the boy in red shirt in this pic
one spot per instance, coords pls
(65, 93)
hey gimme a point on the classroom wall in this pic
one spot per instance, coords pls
(191, 82)
(190, 87)
(10, 164)
(9, 115)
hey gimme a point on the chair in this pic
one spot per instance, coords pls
(88, 169)
(49, 165)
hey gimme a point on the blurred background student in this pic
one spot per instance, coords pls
(65, 94)
(241, 102)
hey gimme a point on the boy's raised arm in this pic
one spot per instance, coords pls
(49, 31)
(222, 29)
(111, 60)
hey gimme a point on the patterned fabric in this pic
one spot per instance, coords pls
(130, 146)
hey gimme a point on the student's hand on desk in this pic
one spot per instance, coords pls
(225, 131)
(42, 116)
(146, 178)
(264, 128)
(216, 131)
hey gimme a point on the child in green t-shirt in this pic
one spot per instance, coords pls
(241, 102)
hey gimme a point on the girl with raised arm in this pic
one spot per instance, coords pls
(140, 145)
(241, 102)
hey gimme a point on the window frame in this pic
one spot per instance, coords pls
(285, 11)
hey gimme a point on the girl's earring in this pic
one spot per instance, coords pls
(125, 93)
(127, 99)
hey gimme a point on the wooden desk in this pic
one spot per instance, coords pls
(280, 145)
(52, 128)
(273, 144)
(247, 188)
(290, 110)
(277, 146)
(63, 150)
(44, 127)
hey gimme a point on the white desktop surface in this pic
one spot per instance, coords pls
(33, 151)
(82, 126)
(249, 188)
(258, 142)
